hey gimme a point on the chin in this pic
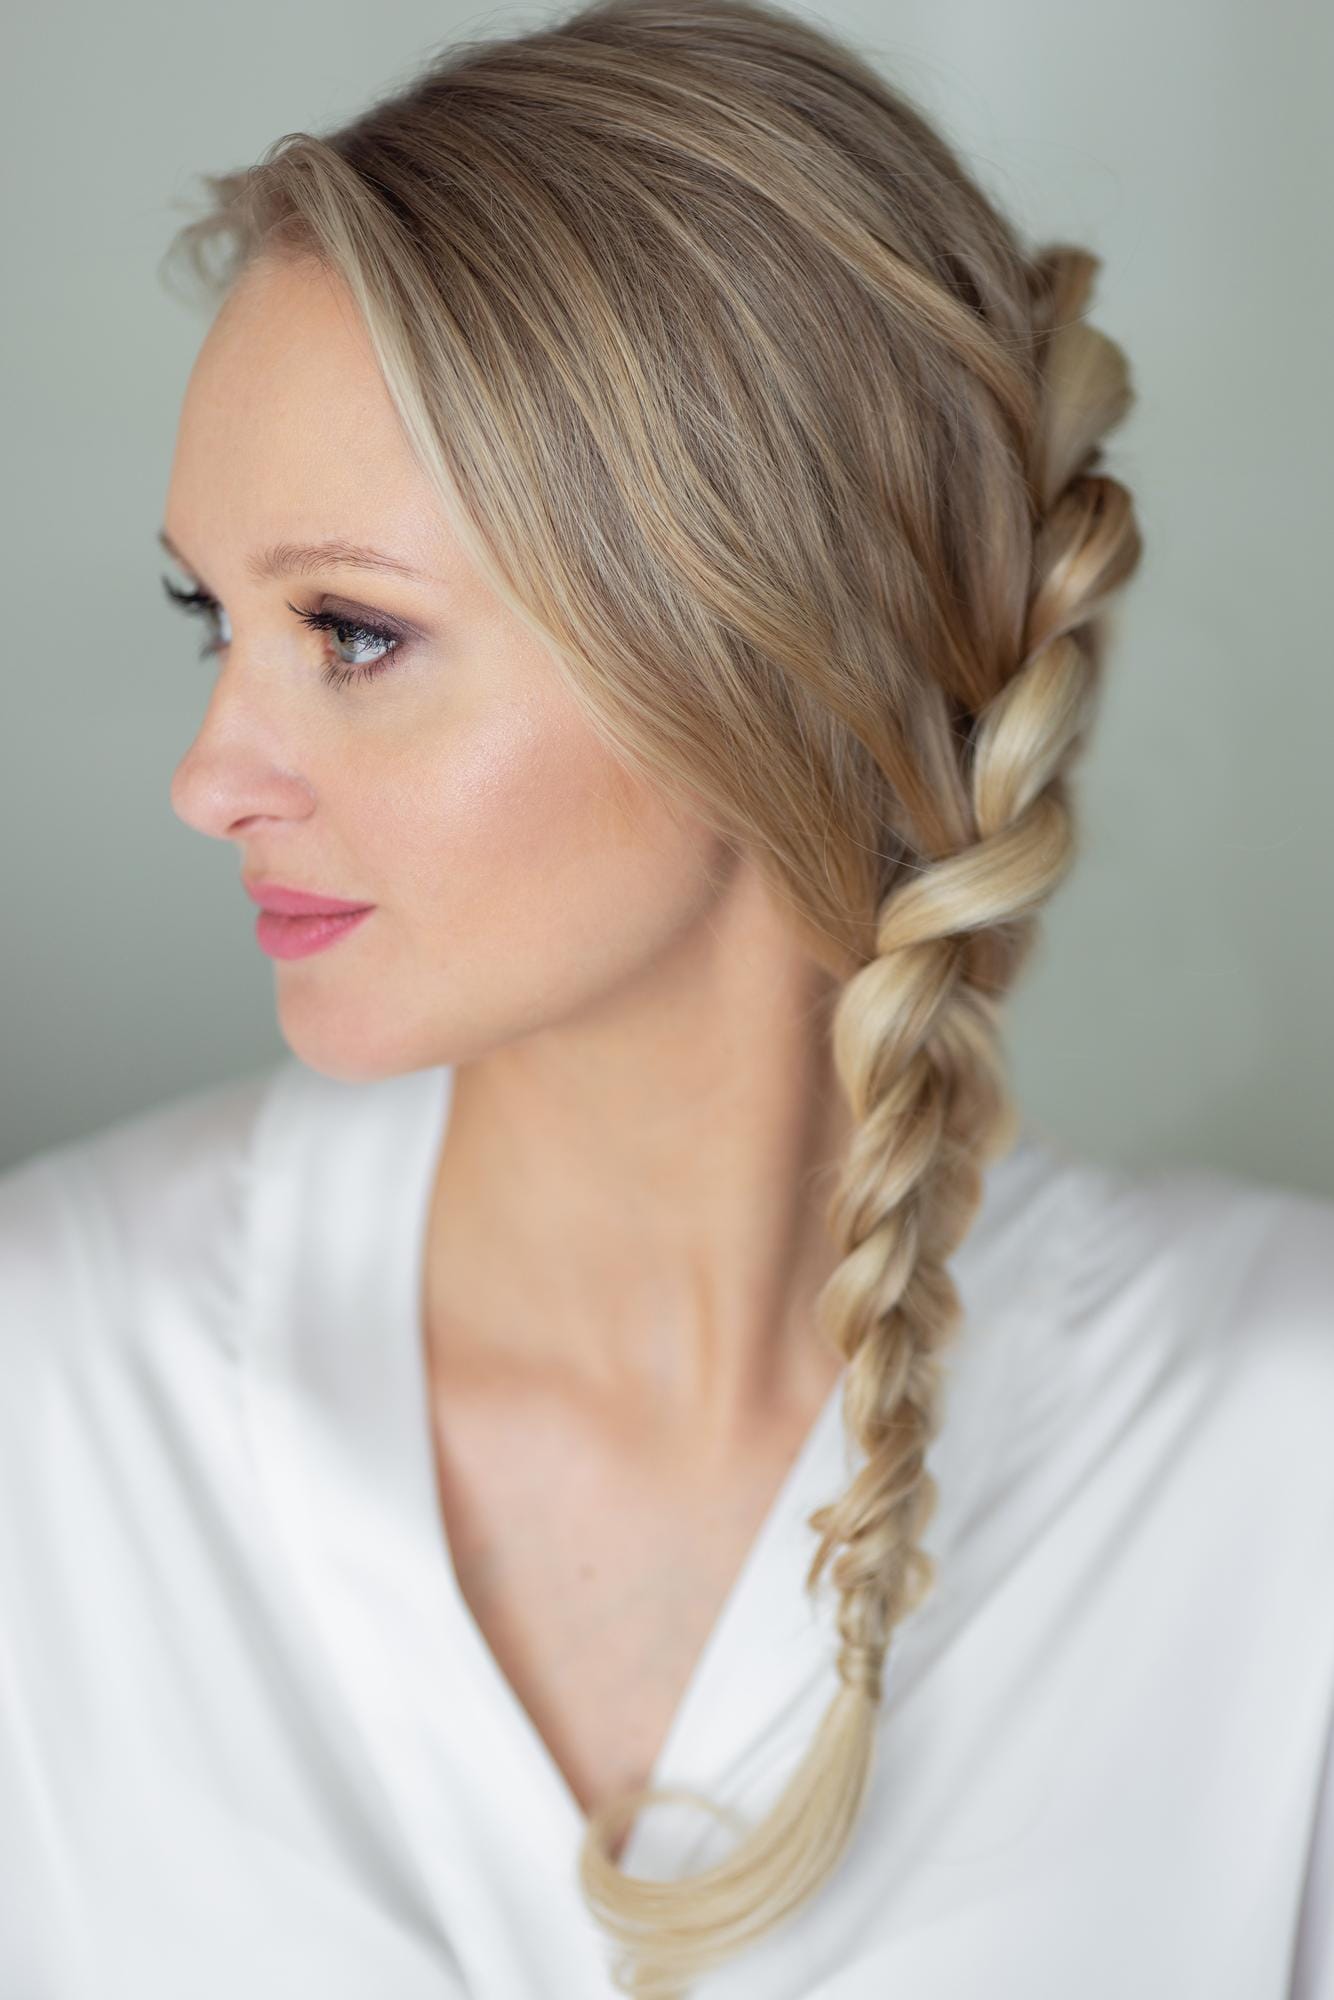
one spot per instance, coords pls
(337, 1068)
(341, 1045)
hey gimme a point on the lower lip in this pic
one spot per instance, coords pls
(298, 937)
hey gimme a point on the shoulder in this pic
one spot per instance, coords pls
(93, 1229)
(1236, 1267)
(1194, 1304)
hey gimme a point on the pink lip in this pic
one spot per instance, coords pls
(298, 937)
(297, 902)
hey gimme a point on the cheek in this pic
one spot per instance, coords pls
(530, 874)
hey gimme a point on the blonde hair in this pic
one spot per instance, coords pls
(742, 392)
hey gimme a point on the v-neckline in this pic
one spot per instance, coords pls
(338, 1397)
(694, 1704)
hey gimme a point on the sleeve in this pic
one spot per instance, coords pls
(1313, 1958)
(1301, 1272)
(39, 1300)
(91, 1230)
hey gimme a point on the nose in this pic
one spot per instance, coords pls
(236, 769)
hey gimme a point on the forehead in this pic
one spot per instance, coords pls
(287, 430)
(286, 355)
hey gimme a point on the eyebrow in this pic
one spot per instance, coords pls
(301, 559)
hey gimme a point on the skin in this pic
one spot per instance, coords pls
(623, 1209)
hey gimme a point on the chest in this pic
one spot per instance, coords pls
(595, 1568)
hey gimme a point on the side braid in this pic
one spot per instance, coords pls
(916, 1030)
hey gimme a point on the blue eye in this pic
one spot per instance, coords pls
(351, 632)
(348, 632)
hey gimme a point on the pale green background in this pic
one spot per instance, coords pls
(1181, 1004)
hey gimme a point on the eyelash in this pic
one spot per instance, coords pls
(201, 603)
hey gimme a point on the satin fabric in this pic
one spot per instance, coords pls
(252, 1742)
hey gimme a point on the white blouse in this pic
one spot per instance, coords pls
(253, 1745)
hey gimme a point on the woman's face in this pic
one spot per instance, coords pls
(519, 874)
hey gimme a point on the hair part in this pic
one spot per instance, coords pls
(742, 393)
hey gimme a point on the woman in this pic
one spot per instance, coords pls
(648, 515)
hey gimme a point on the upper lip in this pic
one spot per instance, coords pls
(297, 902)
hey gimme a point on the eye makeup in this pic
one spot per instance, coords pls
(346, 628)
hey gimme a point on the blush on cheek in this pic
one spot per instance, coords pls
(555, 881)
(540, 796)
